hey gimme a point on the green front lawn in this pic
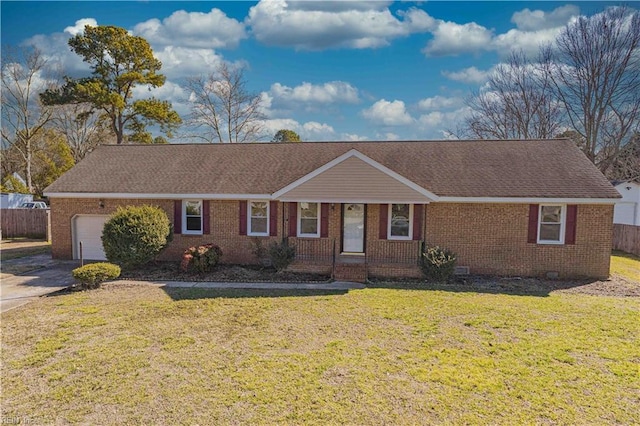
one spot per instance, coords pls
(127, 354)
(626, 265)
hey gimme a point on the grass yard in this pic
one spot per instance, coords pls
(142, 355)
(21, 247)
(626, 265)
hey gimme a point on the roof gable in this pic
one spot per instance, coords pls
(354, 177)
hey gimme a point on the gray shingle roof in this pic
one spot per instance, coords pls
(533, 168)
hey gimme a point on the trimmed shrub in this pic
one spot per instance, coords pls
(93, 274)
(134, 236)
(281, 255)
(438, 264)
(201, 259)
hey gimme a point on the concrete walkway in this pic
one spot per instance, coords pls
(337, 285)
(44, 275)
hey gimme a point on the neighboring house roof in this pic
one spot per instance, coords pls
(521, 169)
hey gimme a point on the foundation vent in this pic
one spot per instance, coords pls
(461, 270)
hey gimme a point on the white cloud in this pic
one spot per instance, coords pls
(328, 93)
(321, 25)
(78, 28)
(389, 136)
(337, 6)
(439, 102)
(212, 30)
(309, 131)
(535, 20)
(55, 50)
(183, 61)
(353, 137)
(471, 75)
(438, 123)
(527, 41)
(450, 38)
(388, 113)
(532, 29)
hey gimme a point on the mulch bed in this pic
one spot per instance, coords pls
(170, 271)
(615, 286)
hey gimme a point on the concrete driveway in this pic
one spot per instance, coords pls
(33, 276)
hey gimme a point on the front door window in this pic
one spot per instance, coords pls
(353, 230)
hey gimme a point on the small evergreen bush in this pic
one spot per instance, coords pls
(438, 264)
(93, 274)
(134, 236)
(201, 259)
(281, 255)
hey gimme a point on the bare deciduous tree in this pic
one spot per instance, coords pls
(222, 109)
(23, 115)
(516, 104)
(595, 70)
(83, 127)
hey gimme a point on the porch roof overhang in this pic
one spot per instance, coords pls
(355, 178)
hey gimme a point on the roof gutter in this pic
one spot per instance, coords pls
(486, 200)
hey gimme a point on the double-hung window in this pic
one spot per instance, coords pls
(258, 216)
(192, 217)
(308, 219)
(551, 223)
(400, 222)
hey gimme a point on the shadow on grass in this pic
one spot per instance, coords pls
(618, 253)
(10, 253)
(489, 285)
(190, 293)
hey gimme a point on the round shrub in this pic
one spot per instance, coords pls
(201, 259)
(91, 275)
(134, 236)
(438, 264)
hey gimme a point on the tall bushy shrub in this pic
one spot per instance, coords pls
(438, 264)
(281, 255)
(136, 235)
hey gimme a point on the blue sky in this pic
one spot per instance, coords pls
(356, 70)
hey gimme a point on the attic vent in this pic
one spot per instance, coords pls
(461, 270)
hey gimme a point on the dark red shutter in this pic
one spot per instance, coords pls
(177, 216)
(417, 221)
(206, 219)
(324, 220)
(384, 217)
(570, 229)
(242, 217)
(273, 218)
(532, 235)
(293, 219)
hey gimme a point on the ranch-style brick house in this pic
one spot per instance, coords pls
(355, 209)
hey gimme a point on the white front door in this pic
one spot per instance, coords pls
(353, 229)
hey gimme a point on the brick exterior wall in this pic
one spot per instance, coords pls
(489, 238)
(224, 227)
(492, 239)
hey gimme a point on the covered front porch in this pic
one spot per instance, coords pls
(380, 258)
(354, 217)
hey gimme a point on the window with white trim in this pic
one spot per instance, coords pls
(308, 219)
(258, 218)
(551, 224)
(192, 217)
(400, 221)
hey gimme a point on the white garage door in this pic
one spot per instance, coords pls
(88, 230)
